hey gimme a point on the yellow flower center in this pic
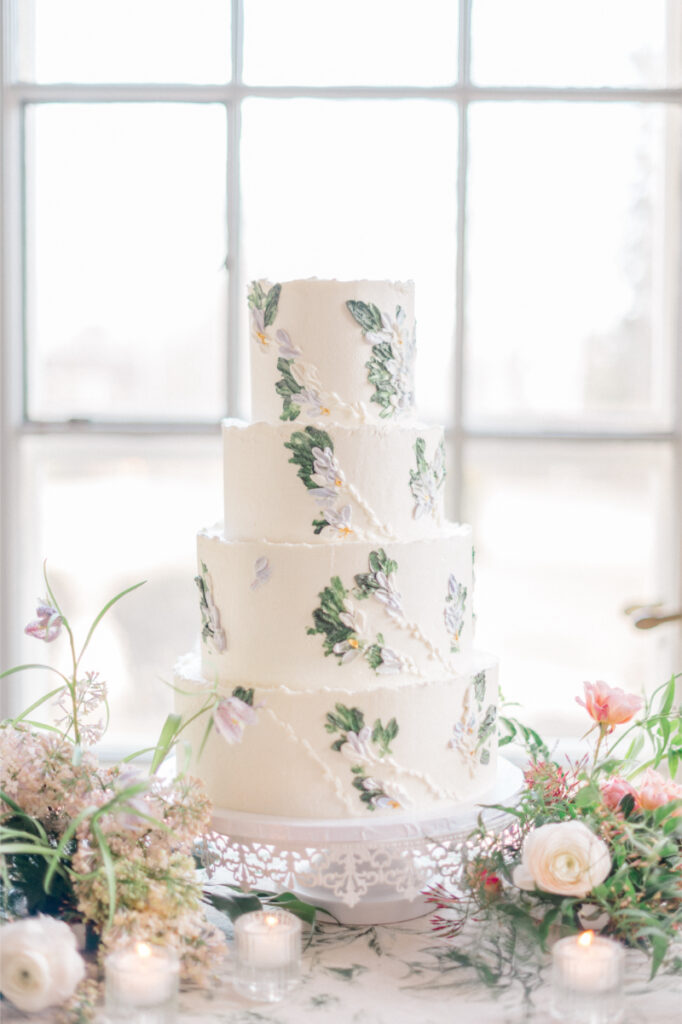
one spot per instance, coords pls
(262, 339)
(337, 483)
(345, 531)
(353, 643)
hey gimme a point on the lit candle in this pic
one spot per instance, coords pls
(142, 977)
(267, 953)
(587, 979)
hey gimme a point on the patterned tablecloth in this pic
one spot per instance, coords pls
(404, 974)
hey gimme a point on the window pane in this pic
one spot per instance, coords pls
(106, 513)
(124, 40)
(572, 254)
(361, 190)
(576, 42)
(567, 536)
(126, 240)
(357, 42)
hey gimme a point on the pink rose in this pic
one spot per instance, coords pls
(609, 705)
(614, 789)
(47, 626)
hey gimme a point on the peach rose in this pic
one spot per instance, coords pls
(655, 791)
(614, 789)
(609, 705)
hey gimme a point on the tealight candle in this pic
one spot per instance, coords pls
(267, 955)
(141, 984)
(587, 979)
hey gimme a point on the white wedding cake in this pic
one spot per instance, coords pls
(336, 600)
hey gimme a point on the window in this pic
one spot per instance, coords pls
(521, 162)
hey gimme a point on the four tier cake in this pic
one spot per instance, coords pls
(336, 599)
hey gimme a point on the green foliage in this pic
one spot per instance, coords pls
(487, 726)
(641, 897)
(383, 735)
(326, 617)
(268, 302)
(287, 388)
(366, 314)
(243, 694)
(479, 687)
(367, 583)
(381, 377)
(344, 719)
(301, 443)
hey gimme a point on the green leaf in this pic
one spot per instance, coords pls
(587, 796)
(366, 314)
(41, 700)
(306, 911)
(109, 870)
(271, 304)
(169, 731)
(100, 616)
(233, 906)
(668, 697)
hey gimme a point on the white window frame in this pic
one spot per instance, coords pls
(14, 422)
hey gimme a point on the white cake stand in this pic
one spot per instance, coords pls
(362, 871)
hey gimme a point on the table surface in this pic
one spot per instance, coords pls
(405, 974)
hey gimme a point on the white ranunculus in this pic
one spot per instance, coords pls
(39, 963)
(565, 858)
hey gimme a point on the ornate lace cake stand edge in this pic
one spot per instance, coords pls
(363, 872)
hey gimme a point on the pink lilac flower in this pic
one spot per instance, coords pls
(47, 626)
(609, 705)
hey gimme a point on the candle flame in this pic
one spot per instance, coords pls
(143, 950)
(585, 939)
(271, 920)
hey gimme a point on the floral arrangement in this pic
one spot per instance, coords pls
(110, 847)
(593, 845)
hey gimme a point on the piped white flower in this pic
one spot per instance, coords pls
(347, 650)
(357, 746)
(391, 662)
(339, 520)
(263, 572)
(287, 349)
(258, 330)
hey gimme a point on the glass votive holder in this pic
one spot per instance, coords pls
(141, 984)
(267, 954)
(587, 979)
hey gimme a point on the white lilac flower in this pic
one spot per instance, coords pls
(391, 662)
(357, 746)
(263, 572)
(339, 520)
(258, 334)
(287, 349)
(231, 717)
(347, 650)
(47, 626)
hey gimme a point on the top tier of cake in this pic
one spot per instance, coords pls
(332, 351)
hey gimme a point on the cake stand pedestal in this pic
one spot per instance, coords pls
(362, 871)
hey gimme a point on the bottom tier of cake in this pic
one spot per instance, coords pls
(335, 753)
